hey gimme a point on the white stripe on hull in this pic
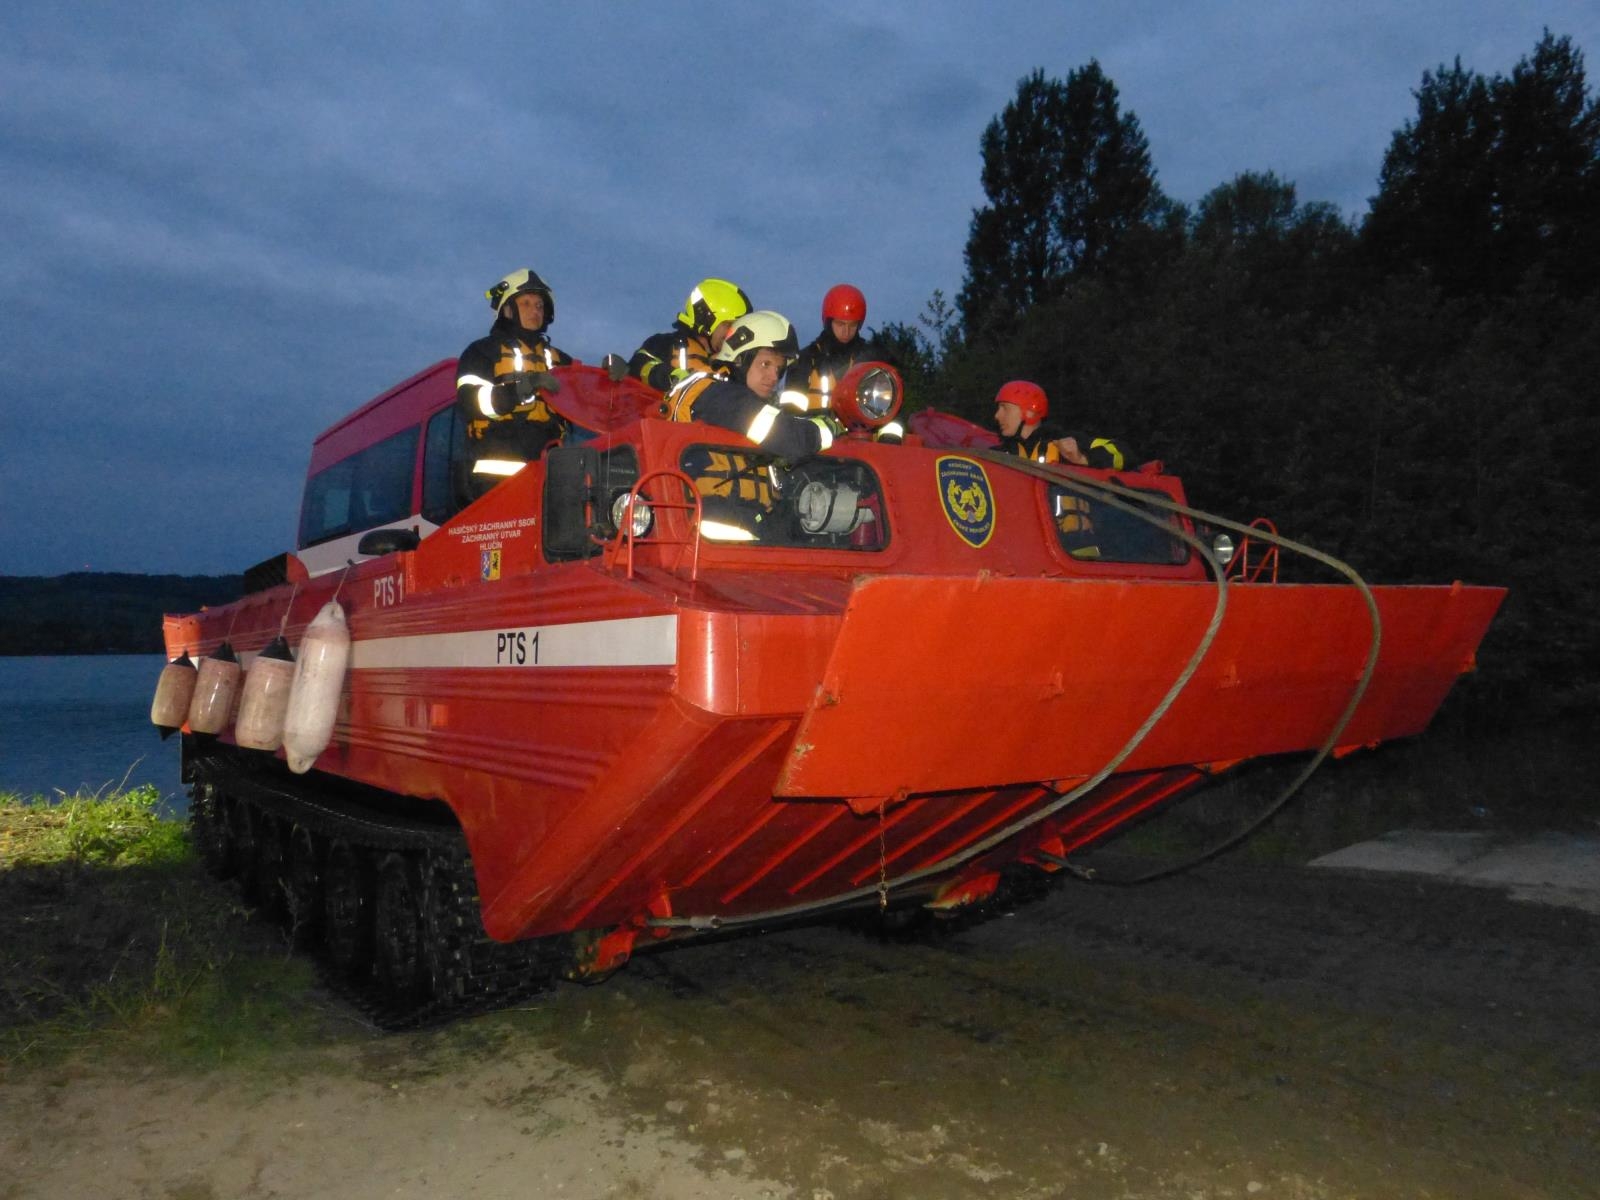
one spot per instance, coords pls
(628, 642)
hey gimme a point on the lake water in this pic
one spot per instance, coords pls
(83, 721)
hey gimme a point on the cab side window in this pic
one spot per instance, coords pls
(368, 489)
(445, 467)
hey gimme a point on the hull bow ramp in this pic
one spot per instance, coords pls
(656, 684)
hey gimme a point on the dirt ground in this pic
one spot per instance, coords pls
(1238, 1032)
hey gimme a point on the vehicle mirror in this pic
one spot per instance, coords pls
(387, 541)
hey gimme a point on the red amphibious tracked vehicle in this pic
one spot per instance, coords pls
(657, 684)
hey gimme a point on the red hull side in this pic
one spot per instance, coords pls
(792, 725)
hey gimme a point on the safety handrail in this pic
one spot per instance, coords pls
(1241, 568)
(624, 541)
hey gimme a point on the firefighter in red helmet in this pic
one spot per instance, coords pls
(502, 381)
(836, 349)
(1020, 409)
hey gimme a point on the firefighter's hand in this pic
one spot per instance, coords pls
(527, 384)
(828, 425)
(616, 367)
(824, 419)
(1068, 446)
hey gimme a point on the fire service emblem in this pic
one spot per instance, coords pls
(967, 499)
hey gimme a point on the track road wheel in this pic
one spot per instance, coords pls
(270, 866)
(302, 886)
(444, 932)
(398, 936)
(238, 840)
(347, 910)
(206, 830)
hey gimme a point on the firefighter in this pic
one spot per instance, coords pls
(836, 349)
(740, 392)
(1020, 409)
(502, 381)
(696, 335)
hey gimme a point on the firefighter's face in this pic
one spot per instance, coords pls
(1007, 419)
(720, 335)
(530, 309)
(844, 332)
(765, 369)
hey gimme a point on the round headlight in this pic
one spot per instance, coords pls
(869, 394)
(636, 516)
(877, 394)
(1222, 547)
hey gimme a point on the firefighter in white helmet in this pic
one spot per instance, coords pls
(741, 391)
(502, 381)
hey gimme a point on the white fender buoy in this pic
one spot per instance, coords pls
(314, 695)
(264, 699)
(174, 689)
(215, 688)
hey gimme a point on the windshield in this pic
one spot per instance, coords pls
(1094, 529)
(823, 503)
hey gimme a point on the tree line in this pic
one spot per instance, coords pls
(100, 612)
(1414, 391)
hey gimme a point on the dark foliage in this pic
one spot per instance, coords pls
(1068, 178)
(1496, 179)
(1415, 395)
(98, 612)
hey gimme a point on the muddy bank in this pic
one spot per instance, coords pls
(1275, 1033)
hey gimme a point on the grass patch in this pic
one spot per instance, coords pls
(90, 830)
(114, 942)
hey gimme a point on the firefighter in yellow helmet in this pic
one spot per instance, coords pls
(696, 335)
(502, 381)
(740, 392)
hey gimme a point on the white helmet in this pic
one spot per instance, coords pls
(760, 330)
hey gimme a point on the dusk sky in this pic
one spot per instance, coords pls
(225, 228)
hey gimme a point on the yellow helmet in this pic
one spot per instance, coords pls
(712, 302)
(515, 284)
(760, 330)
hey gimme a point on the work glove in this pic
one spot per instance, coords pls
(616, 367)
(825, 419)
(827, 424)
(526, 384)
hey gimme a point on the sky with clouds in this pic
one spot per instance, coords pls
(225, 227)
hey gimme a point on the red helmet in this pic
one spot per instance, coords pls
(844, 303)
(1029, 397)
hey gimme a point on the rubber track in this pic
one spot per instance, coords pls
(472, 972)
